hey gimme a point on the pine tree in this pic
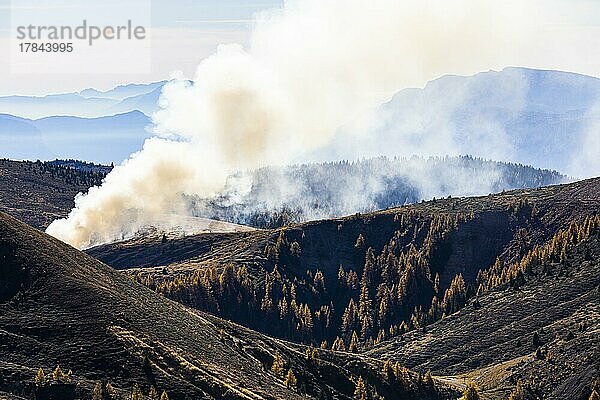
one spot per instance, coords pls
(471, 392)
(319, 281)
(110, 391)
(40, 378)
(594, 395)
(338, 344)
(428, 380)
(58, 375)
(349, 318)
(365, 312)
(360, 242)
(290, 379)
(353, 346)
(277, 366)
(97, 392)
(153, 394)
(360, 391)
(136, 393)
(387, 370)
(164, 396)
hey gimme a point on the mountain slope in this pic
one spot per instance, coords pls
(544, 118)
(271, 197)
(493, 339)
(532, 316)
(373, 275)
(38, 193)
(59, 306)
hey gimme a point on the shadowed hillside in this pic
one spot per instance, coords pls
(40, 192)
(60, 306)
(359, 279)
(544, 334)
(502, 289)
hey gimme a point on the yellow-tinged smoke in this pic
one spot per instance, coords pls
(309, 68)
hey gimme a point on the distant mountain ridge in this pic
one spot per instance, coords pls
(88, 103)
(122, 92)
(104, 139)
(549, 119)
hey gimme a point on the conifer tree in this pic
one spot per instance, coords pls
(164, 396)
(40, 378)
(388, 370)
(290, 379)
(153, 394)
(518, 393)
(594, 395)
(97, 392)
(360, 391)
(338, 344)
(136, 393)
(69, 377)
(58, 375)
(428, 380)
(353, 346)
(360, 242)
(277, 366)
(110, 391)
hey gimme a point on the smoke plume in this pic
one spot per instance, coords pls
(309, 68)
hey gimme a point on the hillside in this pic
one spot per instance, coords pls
(38, 193)
(354, 282)
(493, 339)
(59, 306)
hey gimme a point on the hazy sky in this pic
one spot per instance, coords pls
(186, 31)
(183, 33)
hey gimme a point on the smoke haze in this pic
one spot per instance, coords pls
(310, 68)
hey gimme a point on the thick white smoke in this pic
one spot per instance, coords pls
(309, 68)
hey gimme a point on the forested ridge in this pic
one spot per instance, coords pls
(353, 282)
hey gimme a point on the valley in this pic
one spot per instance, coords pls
(501, 290)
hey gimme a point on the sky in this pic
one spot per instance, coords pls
(184, 32)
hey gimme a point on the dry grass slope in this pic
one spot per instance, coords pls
(58, 305)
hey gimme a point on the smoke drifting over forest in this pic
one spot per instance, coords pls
(310, 68)
(275, 196)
